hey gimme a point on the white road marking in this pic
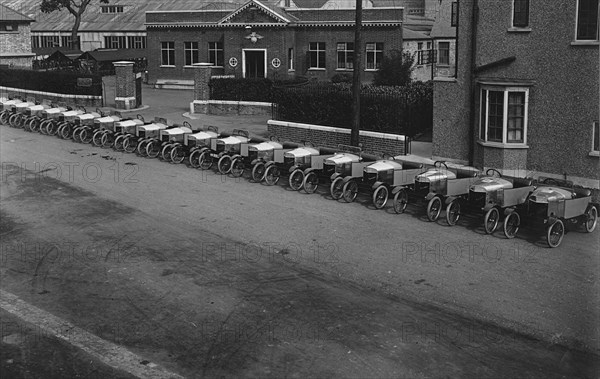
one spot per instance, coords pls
(107, 352)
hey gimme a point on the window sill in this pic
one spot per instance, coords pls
(585, 43)
(516, 29)
(344, 69)
(167, 66)
(316, 69)
(594, 154)
(444, 79)
(291, 70)
(500, 145)
(371, 69)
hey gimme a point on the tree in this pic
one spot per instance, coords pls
(76, 8)
(395, 70)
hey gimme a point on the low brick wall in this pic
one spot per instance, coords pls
(221, 107)
(83, 100)
(372, 142)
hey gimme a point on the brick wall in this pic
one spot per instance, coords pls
(83, 100)
(372, 142)
(16, 47)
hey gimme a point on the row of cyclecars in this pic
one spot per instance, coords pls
(346, 170)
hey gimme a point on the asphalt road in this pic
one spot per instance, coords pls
(211, 275)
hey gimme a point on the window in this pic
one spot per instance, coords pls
(316, 52)
(49, 41)
(35, 41)
(503, 115)
(215, 53)
(111, 9)
(443, 52)
(520, 13)
(291, 59)
(374, 55)
(587, 20)
(425, 56)
(115, 42)
(136, 42)
(191, 53)
(454, 14)
(65, 41)
(167, 54)
(595, 137)
(12, 28)
(345, 55)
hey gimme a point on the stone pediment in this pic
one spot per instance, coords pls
(254, 12)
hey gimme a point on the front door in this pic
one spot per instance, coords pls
(255, 64)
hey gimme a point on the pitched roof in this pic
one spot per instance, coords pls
(110, 55)
(9, 14)
(408, 34)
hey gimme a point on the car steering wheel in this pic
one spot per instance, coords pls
(440, 164)
(491, 171)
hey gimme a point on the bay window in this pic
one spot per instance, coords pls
(503, 115)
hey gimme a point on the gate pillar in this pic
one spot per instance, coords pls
(125, 89)
(202, 74)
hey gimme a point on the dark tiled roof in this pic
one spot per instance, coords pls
(113, 55)
(9, 14)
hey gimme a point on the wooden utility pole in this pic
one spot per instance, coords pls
(357, 64)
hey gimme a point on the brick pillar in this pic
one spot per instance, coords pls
(201, 90)
(125, 87)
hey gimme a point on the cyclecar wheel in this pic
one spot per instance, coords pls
(434, 208)
(224, 164)
(490, 221)
(453, 212)
(591, 218)
(350, 191)
(206, 160)
(272, 175)
(380, 196)
(258, 172)
(511, 225)
(400, 201)
(237, 167)
(337, 188)
(311, 182)
(555, 233)
(296, 179)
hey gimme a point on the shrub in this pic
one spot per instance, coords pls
(62, 82)
(341, 78)
(395, 70)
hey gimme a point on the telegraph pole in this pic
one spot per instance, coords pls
(357, 64)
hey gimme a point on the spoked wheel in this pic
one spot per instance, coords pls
(591, 219)
(555, 233)
(141, 147)
(165, 152)
(194, 158)
(400, 201)
(65, 130)
(12, 120)
(237, 167)
(511, 225)
(76, 133)
(453, 212)
(130, 144)
(20, 122)
(34, 124)
(108, 139)
(43, 126)
(118, 143)
(4, 116)
(86, 135)
(224, 164)
(337, 188)
(205, 160)
(52, 128)
(434, 208)
(490, 221)
(272, 175)
(311, 182)
(97, 138)
(380, 197)
(153, 149)
(296, 179)
(258, 172)
(350, 191)
(177, 154)
(26, 126)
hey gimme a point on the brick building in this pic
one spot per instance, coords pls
(15, 38)
(269, 39)
(525, 96)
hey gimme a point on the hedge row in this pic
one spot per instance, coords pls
(235, 89)
(62, 82)
(404, 110)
